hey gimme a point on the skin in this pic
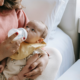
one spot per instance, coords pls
(35, 69)
(38, 67)
(33, 62)
(2, 66)
(35, 29)
(29, 62)
(9, 47)
(35, 66)
(1, 2)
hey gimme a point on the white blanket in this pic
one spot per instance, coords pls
(63, 43)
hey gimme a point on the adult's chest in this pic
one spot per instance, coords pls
(7, 22)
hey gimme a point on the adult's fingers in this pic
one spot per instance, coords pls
(17, 43)
(32, 59)
(36, 68)
(29, 62)
(39, 61)
(35, 73)
(33, 77)
(34, 65)
(12, 36)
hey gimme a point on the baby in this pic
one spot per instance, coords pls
(37, 31)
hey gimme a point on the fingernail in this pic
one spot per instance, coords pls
(16, 33)
(24, 38)
(30, 68)
(24, 75)
(47, 54)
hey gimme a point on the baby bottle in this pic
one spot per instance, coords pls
(21, 33)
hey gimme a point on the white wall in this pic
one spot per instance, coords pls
(69, 22)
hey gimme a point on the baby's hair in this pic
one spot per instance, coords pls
(45, 32)
(11, 4)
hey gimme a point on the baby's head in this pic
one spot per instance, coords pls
(37, 31)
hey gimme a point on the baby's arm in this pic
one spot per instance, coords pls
(2, 65)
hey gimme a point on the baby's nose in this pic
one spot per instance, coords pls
(27, 29)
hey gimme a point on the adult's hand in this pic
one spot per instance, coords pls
(37, 67)
(26, 69)
(9, 47)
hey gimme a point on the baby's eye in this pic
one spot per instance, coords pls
(32, 30)
(26, 26)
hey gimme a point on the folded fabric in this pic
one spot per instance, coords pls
(26, 49)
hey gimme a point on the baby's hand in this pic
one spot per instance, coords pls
(14, 78)
(1, 68)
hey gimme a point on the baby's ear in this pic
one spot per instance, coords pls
(40, 40)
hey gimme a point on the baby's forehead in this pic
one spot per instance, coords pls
(39, 25)
(32, 23)
(36, 24)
